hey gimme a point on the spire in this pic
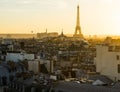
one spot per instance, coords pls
(46, 30)
(78, 19)
(62, 33)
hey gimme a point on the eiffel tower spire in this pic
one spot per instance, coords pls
(78, 28)
(78, 19)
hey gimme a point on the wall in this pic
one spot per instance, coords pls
(19, 56)
(106, 62)
(34, 66)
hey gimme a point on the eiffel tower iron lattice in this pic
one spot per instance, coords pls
(78, 28)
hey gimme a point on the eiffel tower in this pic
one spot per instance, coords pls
(78, 28)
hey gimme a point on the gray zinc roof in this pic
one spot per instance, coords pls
(78, 87)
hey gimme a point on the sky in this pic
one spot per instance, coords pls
(96, 16)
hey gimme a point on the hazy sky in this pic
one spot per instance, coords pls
(96, 16)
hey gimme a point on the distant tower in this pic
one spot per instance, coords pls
(78, 28)
(46, 30)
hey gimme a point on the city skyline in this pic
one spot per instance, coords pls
(96, 16)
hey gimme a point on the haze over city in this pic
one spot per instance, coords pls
(59, 46)
(96, 16)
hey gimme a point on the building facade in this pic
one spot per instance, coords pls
(17, 56)
(45, 34)
(107, 61)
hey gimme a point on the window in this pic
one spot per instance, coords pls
(118, 68)
(117, 57)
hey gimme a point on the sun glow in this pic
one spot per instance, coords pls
(96, 16)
